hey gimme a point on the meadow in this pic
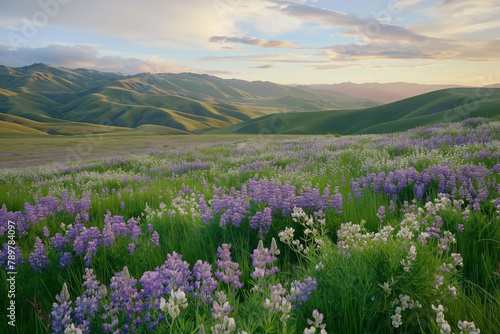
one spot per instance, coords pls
(389, 233)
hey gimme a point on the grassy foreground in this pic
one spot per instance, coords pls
(390, 233)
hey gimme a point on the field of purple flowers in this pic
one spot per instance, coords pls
(396, 233)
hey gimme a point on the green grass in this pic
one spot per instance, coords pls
(349, 293)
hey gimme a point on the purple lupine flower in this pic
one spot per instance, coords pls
(392, 207)
(206, 212)
(82, 242)
(65, 258)
(74, 231)
(227, 270)
(122, 205)
(38, 259)
(155, 239)
(232, 208)
(261, 258)
(134, 228)
(117, 225)
(262, 221)
(152, 289)
(123, 293)
(356, 189)
(205, 284)
(46, 232)
(278, 301)
(88, 304)
(150, 228)
(221, 307)
(61, 311)
(381, 213)
(173, 275)
(58, 242)
(91, 252)
(108, 236)
(78, 208)
(301, 291)
(316, 324)
(131, 248)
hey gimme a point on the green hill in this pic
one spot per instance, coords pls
(439, 106)
(51, 126)
(183, 103)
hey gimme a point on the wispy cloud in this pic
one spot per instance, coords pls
(399, 5)
(268, 44)
(385, 67)
(444, 50)
(264, 66)
(468, 20)
(334, 66)
(368, 27)
(290, 58)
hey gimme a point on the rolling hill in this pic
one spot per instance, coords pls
(183, 103)
(382, 92)
(430, 108)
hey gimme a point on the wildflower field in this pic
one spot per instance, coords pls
(396, 233)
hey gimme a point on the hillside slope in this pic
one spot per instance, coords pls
(439, 106)
(183, 102)
(382, 92)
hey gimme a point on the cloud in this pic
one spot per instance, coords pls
(384, 67)
(405, 4)
(264, 66)
(376, 31)
(444, 50)
(334, 67)
(468, 20)
(269, 44)
(154, 22)
(369, 27)
(86, 56)
(58, 55)
(319, 61)
(290, 58)
(179, 24)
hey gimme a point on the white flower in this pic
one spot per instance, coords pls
(439, 309)
(386, 287)
(286, 236)
(468, 327)
(172, 307)
(396, 318)
(412, 254)
(71, 329)
(453, 291)
(310, 330)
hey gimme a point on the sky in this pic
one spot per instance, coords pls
(287, 42)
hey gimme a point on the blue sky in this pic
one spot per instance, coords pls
(289, 42)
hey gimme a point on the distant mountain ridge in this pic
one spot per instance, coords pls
(382, 92)
(183, 103)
